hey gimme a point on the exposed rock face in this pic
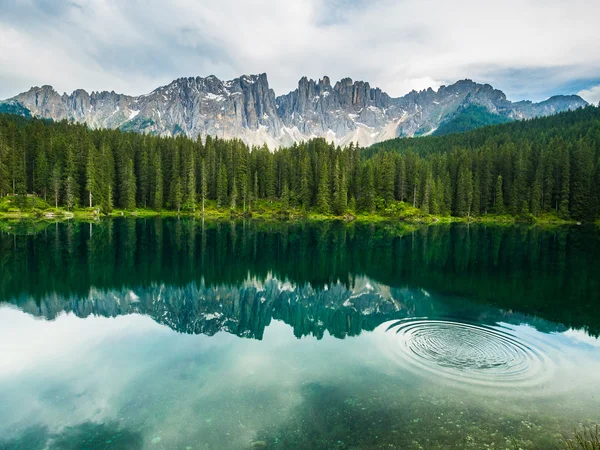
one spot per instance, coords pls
(247, 108)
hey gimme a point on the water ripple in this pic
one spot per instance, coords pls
(468, 353)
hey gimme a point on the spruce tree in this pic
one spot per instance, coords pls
(90, 175)
(367, 199)
(158, 193)
(55, 183)
(499, 197)
(340, 197)
(204, 184)
(143, 178)
(476, 204)
(4, 174)
(222, 186)
(464, 193)
(565, 185)
(70, 187)
(285, 196)
(387, 178)
(128, 187)
(401, 180)
(323, 194)
(42, 173)
(190, 188)
(305, 191)
(233, 195)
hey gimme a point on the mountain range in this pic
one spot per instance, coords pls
(248, 109)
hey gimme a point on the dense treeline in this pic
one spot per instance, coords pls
(531, 167)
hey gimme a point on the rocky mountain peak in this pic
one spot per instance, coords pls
(247, 108)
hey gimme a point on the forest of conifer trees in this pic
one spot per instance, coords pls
(546, 165)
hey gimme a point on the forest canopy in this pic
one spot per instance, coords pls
(544, 165)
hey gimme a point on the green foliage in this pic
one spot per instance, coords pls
(546, 166)
(323, 193)
(587, 439)
(222, 186)
(7, 108)
(469, 118)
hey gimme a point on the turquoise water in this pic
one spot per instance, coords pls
(174, 334)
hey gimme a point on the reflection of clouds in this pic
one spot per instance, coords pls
(220, 391)
(581, 337)
(26, 341)
(62, 372)
(131, 370)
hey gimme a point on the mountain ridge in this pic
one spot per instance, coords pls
(248, 109)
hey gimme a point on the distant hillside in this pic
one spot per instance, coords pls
(469, 118)
(564, 124)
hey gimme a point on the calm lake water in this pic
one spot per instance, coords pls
(174, 334)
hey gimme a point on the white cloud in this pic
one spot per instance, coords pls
(591, 95)
(527, 48)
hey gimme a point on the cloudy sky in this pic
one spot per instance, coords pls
(530, 49)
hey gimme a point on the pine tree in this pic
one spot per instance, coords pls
(367, 199)
(439, 197)
(476, 204)
(177, 195)
(105, 193)
(70, 186)
(190, 189)
(42, 173)
(428, 203)
(143, 178)
(499, 197)
(582, 165)
(233, 195)
(157, 195)
(90, 174)
(4, 176)
(285, 196)
(464, 192)
(447, 193)
(128, 187)
(204, 184)
(222, 186)
(387, 177)
(401, 180)
(537, 191)
(565, 185)
(340, 197)
(256, 192)
(352, 204)
(176, 185)
(270, 176)
(323, 194)
(305, 191)
(55, 183)
(18, 170)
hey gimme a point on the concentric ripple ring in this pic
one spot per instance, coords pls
(468, 353)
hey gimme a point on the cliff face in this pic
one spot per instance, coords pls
(246, 108)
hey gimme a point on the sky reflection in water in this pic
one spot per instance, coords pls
(201, 364)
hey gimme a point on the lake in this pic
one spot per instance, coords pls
(179, 334)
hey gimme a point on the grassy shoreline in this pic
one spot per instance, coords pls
(34, 208)
(281, 215)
